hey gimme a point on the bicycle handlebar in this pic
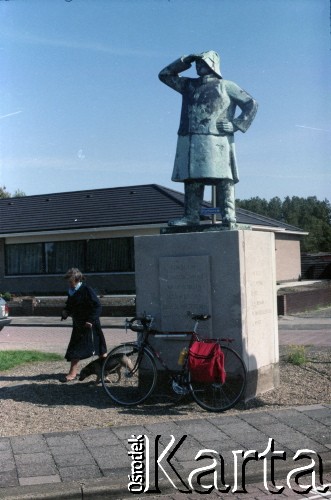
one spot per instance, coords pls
(143, 323)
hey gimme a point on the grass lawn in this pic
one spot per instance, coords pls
(10, 359)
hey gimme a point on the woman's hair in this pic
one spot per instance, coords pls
(75, 274)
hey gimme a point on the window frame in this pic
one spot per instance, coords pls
(85, 268)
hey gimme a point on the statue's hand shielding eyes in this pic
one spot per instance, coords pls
(190, 59)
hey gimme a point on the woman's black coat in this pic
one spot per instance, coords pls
(85, 307)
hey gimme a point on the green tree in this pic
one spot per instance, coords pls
(309, 214)
(5, 194)
(19, 193)
(256, 205)
(275, 208)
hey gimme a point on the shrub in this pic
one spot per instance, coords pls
(297, 355)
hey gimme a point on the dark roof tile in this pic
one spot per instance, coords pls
(108, 207)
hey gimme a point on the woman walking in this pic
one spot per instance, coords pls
(87, 338)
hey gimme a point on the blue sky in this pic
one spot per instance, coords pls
(82, 108)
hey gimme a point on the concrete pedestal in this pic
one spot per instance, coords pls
(229, 275)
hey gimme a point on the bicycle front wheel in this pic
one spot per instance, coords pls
(129, 375)
(218, 397)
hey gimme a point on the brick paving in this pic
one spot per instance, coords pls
(98, 458)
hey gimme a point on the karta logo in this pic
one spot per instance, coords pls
(144, 476)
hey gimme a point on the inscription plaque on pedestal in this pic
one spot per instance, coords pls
(184, 287)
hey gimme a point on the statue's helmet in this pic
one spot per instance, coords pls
(212, 59)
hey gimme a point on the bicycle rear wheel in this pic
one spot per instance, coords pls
(218, 397)
(129, 375)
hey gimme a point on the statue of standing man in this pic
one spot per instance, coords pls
(205, 149)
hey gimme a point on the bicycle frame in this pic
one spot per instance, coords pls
(145, 344)
(147, 322)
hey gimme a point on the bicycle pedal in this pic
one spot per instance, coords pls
(179, 389)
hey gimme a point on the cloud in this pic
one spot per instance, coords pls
(10, 114)
(28, 38)
(81, 155)
(58, 163)
(313, 128)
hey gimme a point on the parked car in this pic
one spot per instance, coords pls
(4, 312)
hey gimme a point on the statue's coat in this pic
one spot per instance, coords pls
(203, 151)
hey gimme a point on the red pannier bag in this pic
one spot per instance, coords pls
(206, 362)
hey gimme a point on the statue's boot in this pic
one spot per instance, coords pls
(225, 199)
(193, 199)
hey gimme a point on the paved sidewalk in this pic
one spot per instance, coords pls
(95, 463)
(55, 321)
(52, 335)
(311, 328)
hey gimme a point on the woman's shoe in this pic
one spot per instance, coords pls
(68, 378)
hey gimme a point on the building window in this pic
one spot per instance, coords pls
(110, 255)
(61, 255)
(98, 255)
(103, 255)
(122, 254)
(25, 259)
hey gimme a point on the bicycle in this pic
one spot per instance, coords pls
(135, 376)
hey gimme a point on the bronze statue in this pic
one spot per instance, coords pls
(205, 149)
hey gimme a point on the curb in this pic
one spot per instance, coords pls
(52, 325)
(99, 489)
